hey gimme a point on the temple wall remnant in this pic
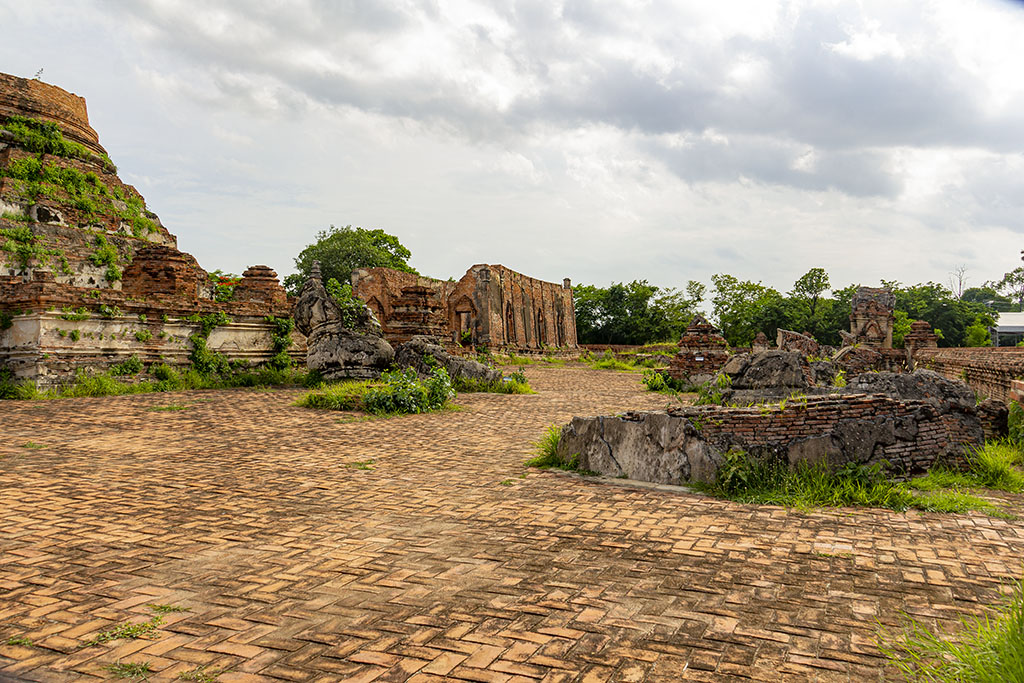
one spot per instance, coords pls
(491, 306)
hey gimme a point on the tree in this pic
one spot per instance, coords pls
(958, 281)
(342, 250)
(1012, 285)
(634, 313)
(808, 290)
(743, 308)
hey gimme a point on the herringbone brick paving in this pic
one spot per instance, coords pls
(446, 560)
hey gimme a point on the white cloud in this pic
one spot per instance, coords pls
(593, 139)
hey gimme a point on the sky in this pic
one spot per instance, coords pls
(597, 140)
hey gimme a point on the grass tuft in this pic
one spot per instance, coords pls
(128, 631)
(131, 670)
(988, 649)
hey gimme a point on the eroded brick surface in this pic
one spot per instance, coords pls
(426, 567)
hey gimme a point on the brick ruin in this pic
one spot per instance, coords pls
(688, 444)
(88, 275)
(491, 306)
(871, 318)
(702, 353)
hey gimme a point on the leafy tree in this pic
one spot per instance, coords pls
(807, 291)
(988, 296)
(1012, 285)
(342, 250)
(634, 313)
(743, 308)
(977, 335)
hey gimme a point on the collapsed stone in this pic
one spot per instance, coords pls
(334, 350)
(423, 353)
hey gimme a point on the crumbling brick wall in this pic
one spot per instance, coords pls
(35, 99)
(688, 444)
(988, 371)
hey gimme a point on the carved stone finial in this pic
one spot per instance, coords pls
(315, 271)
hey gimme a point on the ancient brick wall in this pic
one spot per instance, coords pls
(688, 444)
(492, 306)
(35, 99)
(988, 371)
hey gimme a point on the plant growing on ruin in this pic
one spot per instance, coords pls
(25, 246)
(280, 341)
(351, 306)
(712, 391)
(43, 137)
(129, 366)
(132, 670)
(143, 336)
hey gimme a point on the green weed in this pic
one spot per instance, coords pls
(202, 674)
(988, 649)
(168, 609)
(131, 670)
(360, 465)
(32, 445)
(20, 641)
(128, 631)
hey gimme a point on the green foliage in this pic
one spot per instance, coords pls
(204, 361)
(993, 466)
(977, 334)
(224, 285)
(662, 382)
(43, 137)
(143, 336)
(23, 244)
(634, 313)
(608, 361)
(83, 191)
(21, 641)
(901, 323)
(712, 392)
(342, 250)
(396, 392)
(76, 315)
(988, 649)
(1015, 422)
(202, 674)
(351, 306)
(129, 366)
(401, 392)
(75, 335)
(280, 341)
(547, 451)
(6, 320)
(128, 631)
(110, 311)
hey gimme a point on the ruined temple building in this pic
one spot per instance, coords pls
(491, 306)
(89, 277)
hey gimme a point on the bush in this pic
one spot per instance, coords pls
(662, 382)
(397, 392)
(131, 366)
(401, 392)
(514, 383)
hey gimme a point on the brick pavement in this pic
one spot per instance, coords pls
(445, 560)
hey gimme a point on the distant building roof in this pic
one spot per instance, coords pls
(1010, 322)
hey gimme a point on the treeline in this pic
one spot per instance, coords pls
(641, 313)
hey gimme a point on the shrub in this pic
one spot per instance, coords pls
(130, 366)
(396, 392)
(662, 382)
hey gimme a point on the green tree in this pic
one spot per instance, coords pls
(743, 308)
(807, 291)
(1012, 285)
(634, 313)
(342, 250)
(977, 335)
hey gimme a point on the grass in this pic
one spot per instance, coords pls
(202, 674)
(360, 465)
(338, 396)
(611, 364)
(506, 385)
(169, 408)
(32, 445)
(751, 480)
(168, 609)
(129, 669)
(547, 449)
(166, 379)
(987, 649)
(23, 642)
(128, 631)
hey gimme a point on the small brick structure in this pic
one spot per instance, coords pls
(871, 317)
(702, 353)
(688, 444)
